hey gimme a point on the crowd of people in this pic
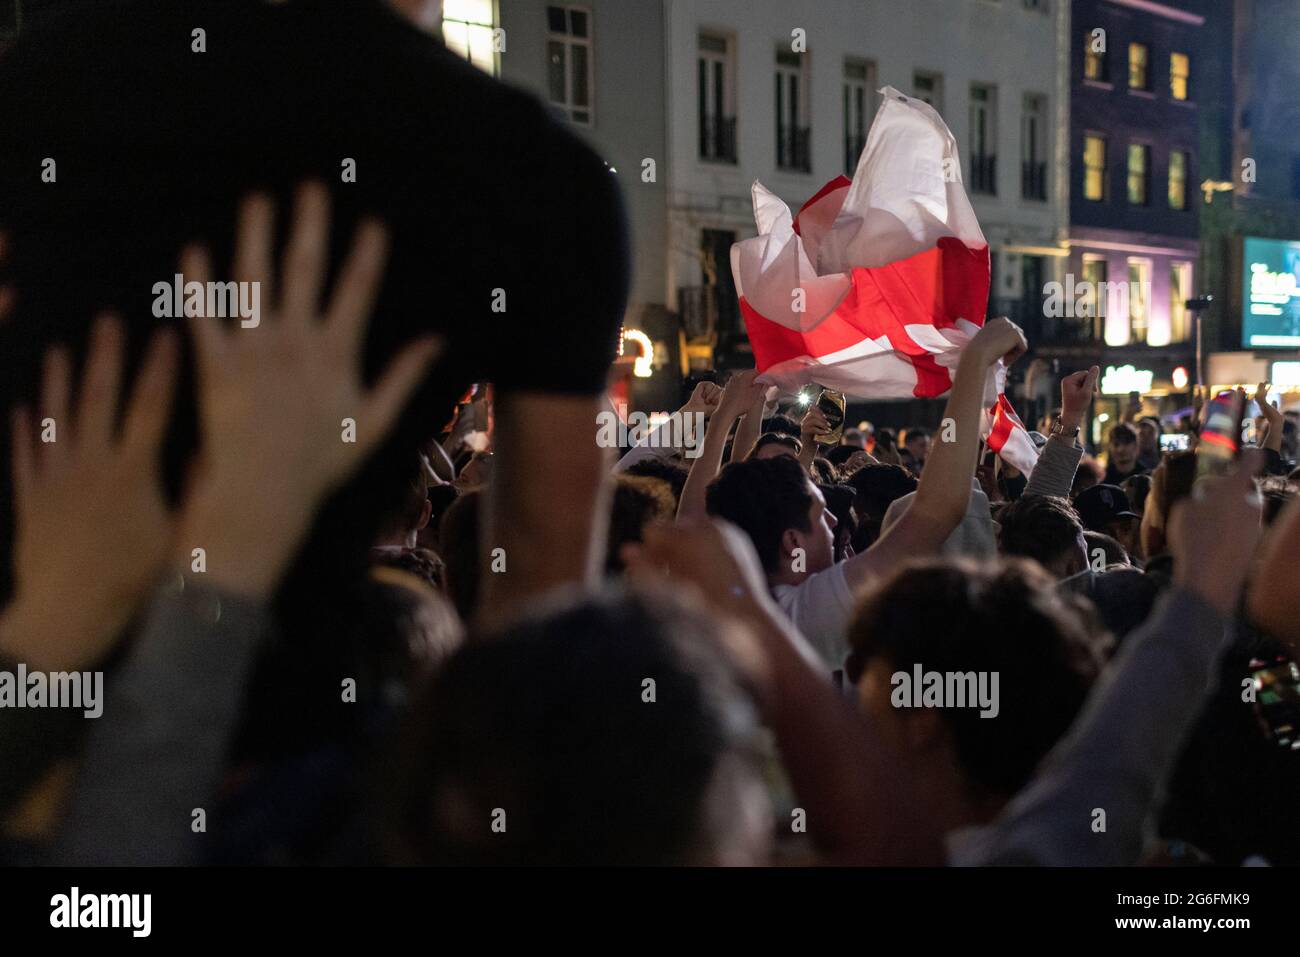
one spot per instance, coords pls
(351, 609)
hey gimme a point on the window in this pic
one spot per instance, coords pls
(859, 81)
(1095, 65)
(793, 139)
(1180, 290)
(568, 55)
(1178, 179)
(1094, 168)
(468, 30)
(929, 88)
(1033, 149)
(716, 100)
(1139, 164)
(1094, 276)
(983, 139)
(1138, 55)
(1139, 299)
(1180, 75)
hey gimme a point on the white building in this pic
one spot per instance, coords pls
(720, 93)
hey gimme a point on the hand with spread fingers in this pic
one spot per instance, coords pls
(93, 528)
(285, 417)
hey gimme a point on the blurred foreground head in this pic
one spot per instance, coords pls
(599, 730)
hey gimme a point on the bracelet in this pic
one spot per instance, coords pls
(1058, 428)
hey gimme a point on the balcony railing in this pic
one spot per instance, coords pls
(718, 138)
(1033, 181)
(793, 150)
(984, 175)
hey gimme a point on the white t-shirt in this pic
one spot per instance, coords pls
(820, 608)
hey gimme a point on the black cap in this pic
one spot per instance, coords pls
(1102, 504)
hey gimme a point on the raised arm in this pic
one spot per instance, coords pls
(861, 804)
(945, 489)
(1125, 743)
(740, 394)
(1059, 458)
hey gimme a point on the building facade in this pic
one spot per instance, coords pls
(720, 93)
(1251, 222)
(1137, 72)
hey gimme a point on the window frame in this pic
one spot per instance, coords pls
(568, 40)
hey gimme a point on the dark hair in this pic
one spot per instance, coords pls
(1124, 598)
(958, 616)
(775, 438)
(638, 502)
(1122, 434)
(1137, 488)
(824, 472)
(840, 454)
(547, 723)
(782, 425)
(1114, 552)
(764, 497)
(915, 432)
(674, 475)
(1041, 527)
(877, 486)
(405, 512)
(839, 502)
(458, 533)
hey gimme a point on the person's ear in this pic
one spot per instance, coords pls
(426, 513)
(791, 539)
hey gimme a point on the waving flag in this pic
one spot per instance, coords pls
(878, 282)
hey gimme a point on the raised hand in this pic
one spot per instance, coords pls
(93, 528)
(1213, 534)
(284, 415)
(1000, 338)
(1076, 392)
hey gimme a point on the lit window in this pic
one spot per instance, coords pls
(468, 30)
(1139, 298)
(1138, 55)
(1094, 57)
(1180, 290)
(1095, 292)
(1178, 180)
(1180, 72)
(1094, 168)
(568, 61)
(1139, 162)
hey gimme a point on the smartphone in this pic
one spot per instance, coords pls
(1174, 442)
(1277, 700)
(1220, 435)
(832, 405)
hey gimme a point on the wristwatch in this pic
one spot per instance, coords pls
(1058, 428)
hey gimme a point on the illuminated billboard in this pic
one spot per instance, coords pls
(1270, 295)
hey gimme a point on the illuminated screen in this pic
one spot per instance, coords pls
(1270, 294)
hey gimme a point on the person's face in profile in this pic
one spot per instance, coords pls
(919, 447)
(818, 542)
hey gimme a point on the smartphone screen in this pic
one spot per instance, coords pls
(1277, 700)
(832, 404)
(1173, 442)
(1220, 436)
